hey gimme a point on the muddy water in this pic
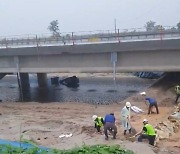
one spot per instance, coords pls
(95, 90)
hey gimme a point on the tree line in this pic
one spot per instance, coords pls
(150, 26)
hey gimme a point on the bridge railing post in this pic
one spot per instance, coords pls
(6, 43)
(118, 36)
(37, 41)
(161, 33)
(73, 38)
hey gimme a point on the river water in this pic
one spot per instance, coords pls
(95, 90)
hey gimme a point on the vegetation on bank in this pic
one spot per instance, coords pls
(95, 149)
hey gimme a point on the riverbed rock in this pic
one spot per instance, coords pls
(169, 127)
(162, 135)
(72, 82)
(165, 129)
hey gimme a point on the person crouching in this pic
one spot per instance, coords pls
(98, 122)
(147, 132)
(109, 125)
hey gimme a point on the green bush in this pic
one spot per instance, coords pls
(96, 149)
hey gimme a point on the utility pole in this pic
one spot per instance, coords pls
(115, 26)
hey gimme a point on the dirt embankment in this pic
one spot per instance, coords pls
(163, 91)
(43, 123)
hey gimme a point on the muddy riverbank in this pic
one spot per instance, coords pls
(43, 123)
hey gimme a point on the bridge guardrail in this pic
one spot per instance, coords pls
(88, 37)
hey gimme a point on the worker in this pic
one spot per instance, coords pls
(109, 125)
(147, 132)
(152, 102)
(99, 122)
(177, 90)
(125, 117)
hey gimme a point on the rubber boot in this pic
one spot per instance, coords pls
(114, 136)
(106, 137)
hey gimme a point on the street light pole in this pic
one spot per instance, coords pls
(115, 26)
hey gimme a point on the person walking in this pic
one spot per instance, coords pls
(109, 125)
(177, 90)
(147, 132)
(152, 102)
(98, 122)
(125, 117)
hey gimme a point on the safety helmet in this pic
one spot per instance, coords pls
(128, 104)
(143, 93)
(177, 86)
(94, 117)
(145, 120)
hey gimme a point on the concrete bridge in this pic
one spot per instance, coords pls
(112, 52)
(133, 51)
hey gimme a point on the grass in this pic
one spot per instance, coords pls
(96, 149)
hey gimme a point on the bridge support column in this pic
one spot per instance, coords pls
(24, 77)
(42, 79)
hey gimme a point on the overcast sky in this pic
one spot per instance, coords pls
(19, 17)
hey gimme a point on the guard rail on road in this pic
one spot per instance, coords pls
(109, 36)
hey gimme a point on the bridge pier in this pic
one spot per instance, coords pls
(24, 77)
(42, 79)
(23, 82)
(24, 86)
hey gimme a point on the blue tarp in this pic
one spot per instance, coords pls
(149, 75)
(22, 145)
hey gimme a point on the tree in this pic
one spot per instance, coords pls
(158, 28)
(173, 28)
(178, 25)
(150, 25)
(54, 28)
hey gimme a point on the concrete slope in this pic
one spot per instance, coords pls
(2, 75)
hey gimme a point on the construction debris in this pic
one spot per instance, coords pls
(167, 128)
